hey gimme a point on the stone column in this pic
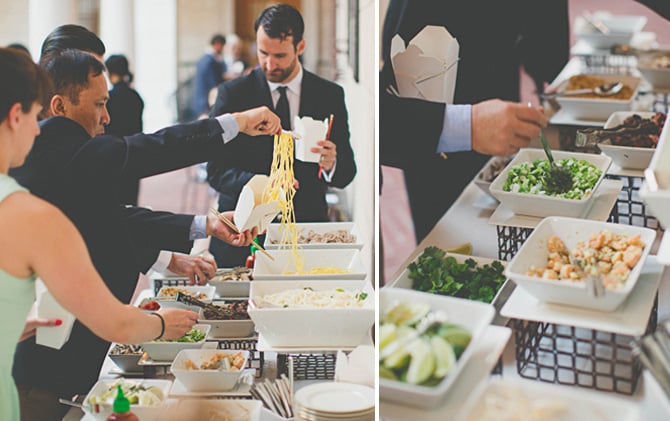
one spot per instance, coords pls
(117, 28)
(44, 16)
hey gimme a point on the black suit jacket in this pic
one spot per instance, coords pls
(318, 99)
(81, 176)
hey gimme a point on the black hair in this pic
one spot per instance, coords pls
(21, 81)
(74, 37)
(21, 47)
(117, 64)
(281, 21)
(70, 71)
(217, 38)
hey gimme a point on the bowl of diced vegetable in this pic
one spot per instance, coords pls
(456, 275)
(166, 350)
(521, 186)
(147, 397)
(418, 368)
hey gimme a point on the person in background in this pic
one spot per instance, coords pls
(236, 64)
(125, 107)
(280, 82)
(19, 47)
(38, 240)
(209, 73)
(78, 168)
(441, 147)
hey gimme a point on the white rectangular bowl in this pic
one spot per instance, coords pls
(266, 269)
(471, 315)
(540, 205)
(206, 380)
(227, 328)
(230, 288)
(598, 108)
(655, 191)
(658, 78)
(313, 327)
(534, 252)
(622, 28)
(480, 179)
(166, 351)
(273, 235)
(627, 156)
(143, 412)
(208, 290)
(218, 409)
(579, 404)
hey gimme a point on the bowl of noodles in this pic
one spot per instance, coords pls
(292, 263)
(591, 106)
(327, 313)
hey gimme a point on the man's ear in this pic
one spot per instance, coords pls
(14, 116)
(57, 105)
(300, 48)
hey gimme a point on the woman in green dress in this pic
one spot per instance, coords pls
(38, 240)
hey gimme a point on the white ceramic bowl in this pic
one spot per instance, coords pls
(626, 156)
(658, 77)
(350, 259)
(471, 315)
(231, 287)
(213, 409)
(167, 351)
(227, 328)
(206, 380)
(534, 252)
(621, 29)
(126, 362)
(195, 290)
(493, 167)
(143, 412)
(655, 191)
(598, 108)
(541, 205)
(317, 327)
(274, 233)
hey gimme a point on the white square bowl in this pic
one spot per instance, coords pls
(168, 350)
(349, 259)
(471, 315)
(227, 328)
(652, 66)
(601, 108)
(490, 171)
(534, 252)
(235, 287)
(636, 158)
(273, 236)
(202, 292)
(313, 327)
(655, 191)
(213, 409)
(206, 380)
(621, 29)
(542, 205)
(144, 412)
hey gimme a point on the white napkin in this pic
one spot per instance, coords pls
(358, 367)
(310, 131)
(426, 68)
(48, 308)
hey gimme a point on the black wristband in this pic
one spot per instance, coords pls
(162, 325)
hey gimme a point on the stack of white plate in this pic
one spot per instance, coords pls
(330, 401)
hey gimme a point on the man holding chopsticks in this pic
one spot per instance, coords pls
(281, 84)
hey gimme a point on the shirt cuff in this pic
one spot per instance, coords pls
(161, 264)
(198, 228)
(456, 133)
(229, 126)
(328, 175)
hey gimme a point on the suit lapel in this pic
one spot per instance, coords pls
(308, 104)
(262, 90)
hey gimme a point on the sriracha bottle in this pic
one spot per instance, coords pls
(122, 409)
(251, 259)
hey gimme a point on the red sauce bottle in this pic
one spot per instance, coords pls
(122, 409)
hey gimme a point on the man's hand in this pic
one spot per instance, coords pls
(502, 128)
(223, 232)
(32, 323)
(258, 121)
(199, 269)
(328, 151)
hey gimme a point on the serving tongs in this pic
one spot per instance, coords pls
(222, 313)
(592, 136)
(653, 351)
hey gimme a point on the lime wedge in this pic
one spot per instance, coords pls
(387, 334)
(462, 249)
(458, 337)
(386, 373)
(445, 358)
(423, 362)
(406, 313)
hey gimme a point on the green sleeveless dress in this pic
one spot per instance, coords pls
(16, 299)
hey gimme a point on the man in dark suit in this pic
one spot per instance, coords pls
(279, 38)
(75, 167)
(441, 147)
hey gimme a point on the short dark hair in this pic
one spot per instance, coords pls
(75, 37)
(217, 38)
(19, 46)
(118, 64)
(70, 71)
(281, 21)
(21, 81)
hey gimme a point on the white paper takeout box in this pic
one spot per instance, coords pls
(310, 131)
(426, 67)
(48, 308)
(250, 210)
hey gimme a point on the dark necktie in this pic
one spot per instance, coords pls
(282, 108)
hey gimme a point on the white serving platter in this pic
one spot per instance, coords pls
(274, 233)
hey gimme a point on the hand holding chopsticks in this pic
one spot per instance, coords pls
(232, 226)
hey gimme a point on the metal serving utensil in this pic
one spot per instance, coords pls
(604, 90)
(558, 179)
(220, 312)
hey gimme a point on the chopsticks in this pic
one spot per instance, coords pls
(330, 128)
(234, 228)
